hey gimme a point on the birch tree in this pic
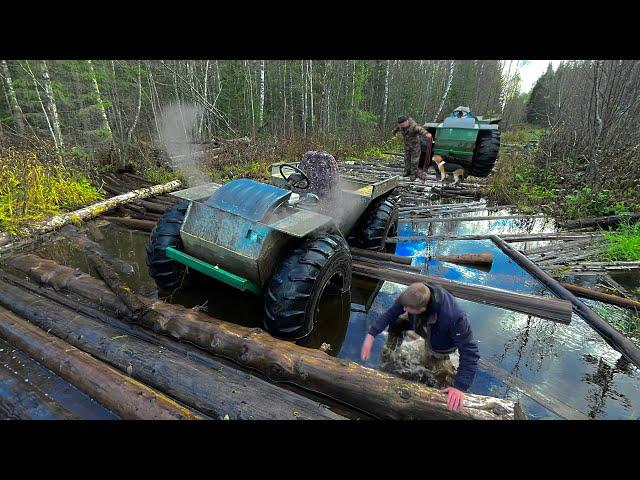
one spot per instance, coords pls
(100, 104)
(261, 115)
(452, 66)
(16, 111)
(51, 102)
(386, 95)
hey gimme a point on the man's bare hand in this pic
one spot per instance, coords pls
(455, 398)
(366, 347)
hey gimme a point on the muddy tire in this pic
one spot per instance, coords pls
(486, 152)
(293, 294)
(381, 222)
(168, 274)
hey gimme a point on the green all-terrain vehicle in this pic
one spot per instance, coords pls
(266, 239)
(472, 142)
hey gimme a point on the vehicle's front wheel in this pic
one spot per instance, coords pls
(381, 222)
(320, 265)
(167, 273)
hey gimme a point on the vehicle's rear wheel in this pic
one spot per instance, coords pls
(381, 222)
(168, 274)
(486, 153)
(320, 265)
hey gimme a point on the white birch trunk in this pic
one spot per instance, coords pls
(386, 95)
(261, 115)
(100, 105)
(452, 65)
(303, 98)
(310, 65)
(16, 111)
(51, 103)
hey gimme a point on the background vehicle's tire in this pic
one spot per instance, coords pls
(486, 152)
(381, 221)
(168, 274)
(293, 294)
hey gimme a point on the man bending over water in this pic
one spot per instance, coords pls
(433, 313)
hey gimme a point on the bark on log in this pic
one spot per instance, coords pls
(121, 394)
(480, 259)
(152, 217)
(94, 210)
(51, 385)
(512, 238)
(21, 401)
(602, 297)
(613, 337)
(468, 219)
(87, 246)
(381, 394)
(609, 221)
(381, 256)
(135, 303)
(152, 207)
(143, 225)
(542, 307)
(215, 390)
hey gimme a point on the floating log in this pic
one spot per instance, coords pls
(513, 238)
(19, 400)
(602, 297)
(154, 217)
(143, 225)
(87, 246)
(152, 207)
(542, 307)
(94, 210)
(613, 337)
(421, 210)
(94, 232)
(381, 256)
(469, 219)
(608, 221)
(117, 286)
(479, 259)
(121, 394)
(378, 393)
(210, 389)
(602, 266)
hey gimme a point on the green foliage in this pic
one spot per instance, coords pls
(588, 203)
(623, 244)
(31, 189)
(156, 174)
(522, 134)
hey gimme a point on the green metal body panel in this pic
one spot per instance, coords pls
(213, 271)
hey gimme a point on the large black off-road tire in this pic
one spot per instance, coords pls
(380, 222)
(486, 152)
(292, 299)
(168, 274)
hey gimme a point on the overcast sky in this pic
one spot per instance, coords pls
(532, 70)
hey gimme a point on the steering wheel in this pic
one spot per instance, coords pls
(295, 184)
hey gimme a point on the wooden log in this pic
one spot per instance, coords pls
(94, 210)
(612, 336)
(121, 394)
(212, 390)
(54, 387)
(154, 217)
(480, 259)
(469, 219)
(381, 256)
(152, 207)
(513, 238)
(419, 213)
(378, 393)
(602, 297)
(608, 221)
(94, 232)
(21, 401)
(87, 246)
(375, 263)
(136, 304)
(542, 307)
(143, 225)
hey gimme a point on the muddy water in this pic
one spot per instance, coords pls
(554, 370)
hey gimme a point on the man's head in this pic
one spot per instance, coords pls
(415, 298)
(403, 121)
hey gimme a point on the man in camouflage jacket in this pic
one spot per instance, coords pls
(411, 132)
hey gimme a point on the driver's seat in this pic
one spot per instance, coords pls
(322, 170)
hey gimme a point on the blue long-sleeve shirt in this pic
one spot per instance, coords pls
(450, 330)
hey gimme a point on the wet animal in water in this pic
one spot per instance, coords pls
(448, 167)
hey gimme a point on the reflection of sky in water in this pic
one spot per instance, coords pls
(571, 363)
